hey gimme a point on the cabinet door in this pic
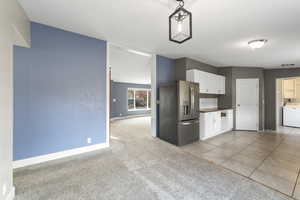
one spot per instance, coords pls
(203, 81)
(191, 75)
(230, 119)
(197, 78)
(226, 121)
(217, 122)
(222, 84)
(206, 125)
(289, 88)
(297, 88)
(214, 83)
(218, 84)
(209, 83)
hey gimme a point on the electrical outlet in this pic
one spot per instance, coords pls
(4, 190)
(89, 140)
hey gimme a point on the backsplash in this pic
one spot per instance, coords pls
(208, 103)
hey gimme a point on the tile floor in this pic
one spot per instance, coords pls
(270, 158)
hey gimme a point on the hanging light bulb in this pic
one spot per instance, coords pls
(179, 27)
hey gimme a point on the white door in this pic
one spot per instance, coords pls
(247, 104)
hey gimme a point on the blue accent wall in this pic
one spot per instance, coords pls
(59, 92)
(119, 93)
(165, 73)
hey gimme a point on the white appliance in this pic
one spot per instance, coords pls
(291, 116)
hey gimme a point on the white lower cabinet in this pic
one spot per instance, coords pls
(215, 123)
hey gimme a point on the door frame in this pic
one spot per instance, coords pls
(153, 96)
(257, 100)
(107, 93)
(278, 100)
(278, 110)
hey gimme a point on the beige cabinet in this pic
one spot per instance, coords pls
(289, 88)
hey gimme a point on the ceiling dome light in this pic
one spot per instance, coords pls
(257, 44)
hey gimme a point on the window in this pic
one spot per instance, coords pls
(130, 99)
(139, 99)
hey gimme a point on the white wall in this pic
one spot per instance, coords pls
(12, 21)
(129, 66)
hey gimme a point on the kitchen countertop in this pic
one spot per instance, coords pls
(214, 109)
(292, 105)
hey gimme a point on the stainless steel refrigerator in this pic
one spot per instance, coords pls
(179, 112)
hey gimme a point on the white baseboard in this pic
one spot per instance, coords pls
(58, 155)
(11, 194)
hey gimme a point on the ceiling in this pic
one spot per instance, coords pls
(221, 29)
(128, 66)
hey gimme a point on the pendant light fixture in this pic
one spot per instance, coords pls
(180, 24)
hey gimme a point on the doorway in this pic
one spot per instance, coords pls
(288, 103)
(247, 104)
(131, 95)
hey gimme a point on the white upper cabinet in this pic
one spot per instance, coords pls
(222, 84)
(209, 83)
(203, 80)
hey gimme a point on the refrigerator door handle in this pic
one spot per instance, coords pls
(192, 102)
(186, 123)
(184, 110)
(190, 122)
